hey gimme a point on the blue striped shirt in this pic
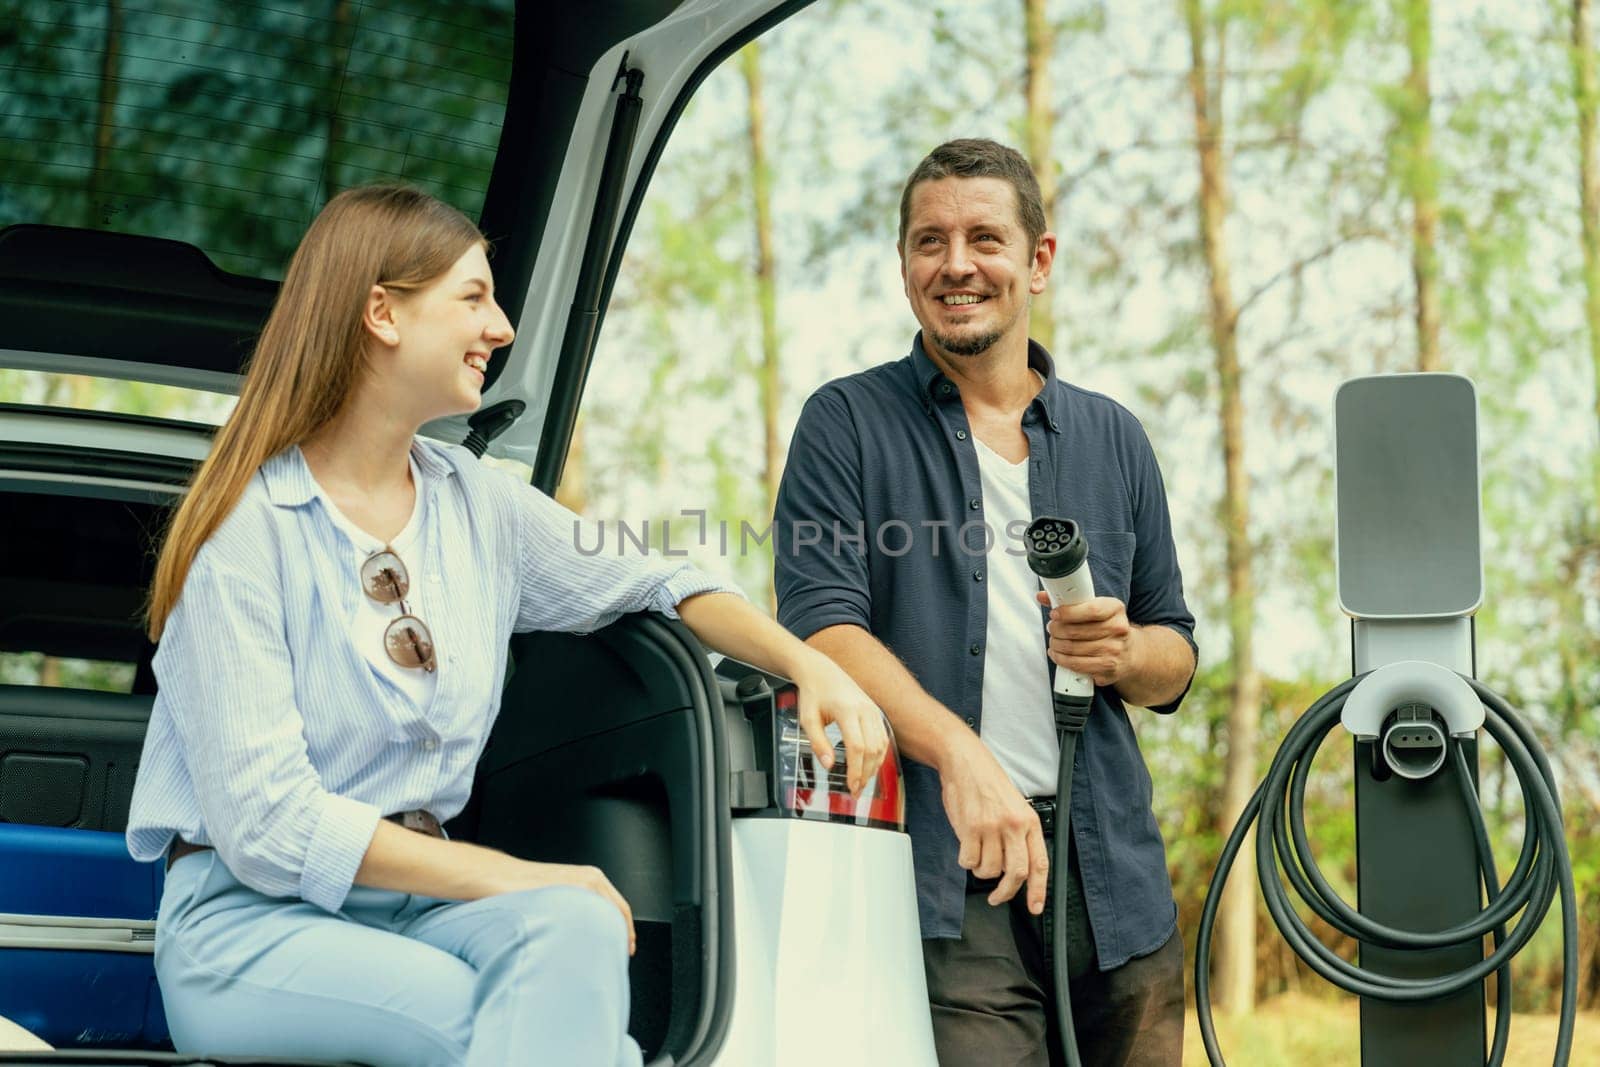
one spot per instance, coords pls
(275, 740)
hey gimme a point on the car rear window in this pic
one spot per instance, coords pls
(228, 123)
(37, 668)
(86, 393)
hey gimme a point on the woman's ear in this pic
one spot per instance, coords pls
(378, 317)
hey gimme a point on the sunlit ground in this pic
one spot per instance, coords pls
(1295, 1030)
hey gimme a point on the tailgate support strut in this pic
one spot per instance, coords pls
(577, 344)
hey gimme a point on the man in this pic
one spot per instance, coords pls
(898, 479)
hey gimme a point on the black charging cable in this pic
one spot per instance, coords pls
(1059, 554)
(1070, 718)
(1542, 869)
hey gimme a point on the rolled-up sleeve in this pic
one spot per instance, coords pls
(1156, 596)
(225, 677)
(821, 577)
(575, 575)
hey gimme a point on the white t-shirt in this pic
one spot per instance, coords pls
(373, 618)
(1018, 723)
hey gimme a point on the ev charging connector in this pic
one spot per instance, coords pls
(1409, 710)
(1059, 554)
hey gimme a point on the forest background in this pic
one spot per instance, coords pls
(1254, 200)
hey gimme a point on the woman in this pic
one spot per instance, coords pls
(333, 603)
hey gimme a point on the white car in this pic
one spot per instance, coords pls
(160, 184)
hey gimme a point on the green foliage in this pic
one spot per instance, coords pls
(1306, 45)
(230, 132)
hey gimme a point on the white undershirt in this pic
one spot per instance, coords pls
(373, 618)
(1018, 725)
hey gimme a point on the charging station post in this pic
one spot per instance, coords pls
(1410, 576)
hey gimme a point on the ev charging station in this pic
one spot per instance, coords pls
(1410, 573)
(1410, 576)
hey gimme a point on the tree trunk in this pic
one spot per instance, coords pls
(1422, 179)
(766, 288)
(83, 389)
(1236, 920)
(97, 212)
(573, 492)
(1039, 43)
(1588, 94)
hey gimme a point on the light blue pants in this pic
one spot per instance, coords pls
(393, 980)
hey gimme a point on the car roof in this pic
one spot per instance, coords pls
(137, 282)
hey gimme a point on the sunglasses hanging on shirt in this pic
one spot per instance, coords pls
(407, 639)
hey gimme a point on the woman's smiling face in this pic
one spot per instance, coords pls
(443, 335)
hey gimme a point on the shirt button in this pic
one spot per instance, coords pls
(977, 576)
(972, 722)
(974, 503)
(961, 435)
(944, 390)
(429, 745)
(976, 650)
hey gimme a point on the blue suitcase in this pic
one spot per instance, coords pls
(77, 932)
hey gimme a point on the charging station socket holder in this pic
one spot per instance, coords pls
(1400, 706)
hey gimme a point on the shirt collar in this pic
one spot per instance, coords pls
(930, 378)
(290, 484)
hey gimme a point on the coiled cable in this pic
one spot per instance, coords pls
(1543, 868)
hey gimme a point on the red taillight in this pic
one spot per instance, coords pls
(809, 792)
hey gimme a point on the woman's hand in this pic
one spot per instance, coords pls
(730, 625)
(827, 694)
(408, 862)
(519, 874)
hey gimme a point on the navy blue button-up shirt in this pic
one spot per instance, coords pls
(876, 527)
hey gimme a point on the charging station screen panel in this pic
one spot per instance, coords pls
(1406, 467)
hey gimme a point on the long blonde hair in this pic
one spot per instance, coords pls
(311, 352)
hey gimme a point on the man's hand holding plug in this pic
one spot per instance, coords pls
(1094, 638)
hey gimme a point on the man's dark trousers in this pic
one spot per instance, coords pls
(992, 993)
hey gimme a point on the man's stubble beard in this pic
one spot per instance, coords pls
(975, 345)
(979, 343)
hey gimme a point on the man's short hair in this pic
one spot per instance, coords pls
(979, 157)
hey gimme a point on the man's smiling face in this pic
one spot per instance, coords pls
(968, 264)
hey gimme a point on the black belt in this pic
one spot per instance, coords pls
(421, 821)
(1046, 809)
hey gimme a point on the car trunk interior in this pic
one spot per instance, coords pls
(602, 755)
(608, 748)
